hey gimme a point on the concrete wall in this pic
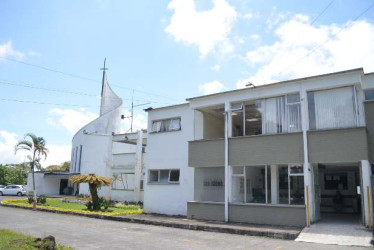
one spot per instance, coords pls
(266, 149)
(45, 184)
(369, 112)
(168, 150)
(206, 210)
(340, 145)
(282, 215)
(206, 153)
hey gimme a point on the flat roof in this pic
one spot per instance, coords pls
(165, 107)
(276, 83)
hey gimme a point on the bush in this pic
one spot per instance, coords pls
(42, 199)
(89, 205)
(30, 199)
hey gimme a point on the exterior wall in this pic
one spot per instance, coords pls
(206, 210)
(168, 150)
(213, 127)
(95, 139)
(46, 184)
(369, 112)
(266, 149)
(340, 145)
(282, 215)
(206, 153)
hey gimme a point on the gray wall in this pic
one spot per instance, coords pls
(369, 114)
(341, 145)
(266, 149)
(206, 211)
(282, 215)
(206, 153)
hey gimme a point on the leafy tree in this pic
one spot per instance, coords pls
(36, 146)
(94, 182)
(65, 166)
(13, 174)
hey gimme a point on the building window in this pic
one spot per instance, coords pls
(336, 181)
(291, 185)
(164, 176)
(166, 125)
(333, 108)
(268, 116)
(251, 184)
(369, 94)
(123, 181)
(209, 184)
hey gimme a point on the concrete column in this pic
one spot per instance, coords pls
(138, 165)
(367, 191)
(274, 184)
(227, 167)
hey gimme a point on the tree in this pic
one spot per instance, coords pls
(94, 182)
(36, 146)
(13, 174)
(65, 166)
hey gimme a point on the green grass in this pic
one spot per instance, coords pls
(10, 240)
(56, 204)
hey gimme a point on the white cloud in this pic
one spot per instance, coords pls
(208, 30)
(70, 119)
(7, 50)
(216, 67)
(211, 87)
(351, 48)
(8, 140)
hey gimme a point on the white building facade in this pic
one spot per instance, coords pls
(277, 154)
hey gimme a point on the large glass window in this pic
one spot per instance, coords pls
(123, 181)
(333, 108)
(268, 116)
(251, 184)
(291, 185)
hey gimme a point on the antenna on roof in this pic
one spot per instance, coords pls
(249, 84)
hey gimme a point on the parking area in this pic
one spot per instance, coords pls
(11, 197)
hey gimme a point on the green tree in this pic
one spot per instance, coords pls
(13, 174)
(94, 182)
(36, 146)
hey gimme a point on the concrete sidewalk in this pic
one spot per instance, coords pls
(289, 233)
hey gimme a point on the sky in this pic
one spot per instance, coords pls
(159, 53)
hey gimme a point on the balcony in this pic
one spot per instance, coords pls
(338, 145)
(248, 150)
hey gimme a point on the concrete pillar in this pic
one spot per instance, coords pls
(227, 167)
(274, 184)
(367, 192)
(138, 166)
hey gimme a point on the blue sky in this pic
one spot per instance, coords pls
(166, 51)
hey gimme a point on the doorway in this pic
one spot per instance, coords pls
(63, 185)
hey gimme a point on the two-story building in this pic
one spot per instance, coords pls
(280, 154)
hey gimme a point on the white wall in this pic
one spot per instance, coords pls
(45, 184)
(169, 150)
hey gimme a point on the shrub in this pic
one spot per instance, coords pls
(30, 199)
(42, 199)
(89, 205)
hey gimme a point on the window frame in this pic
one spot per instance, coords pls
(162, 121)
(158, 182)
(266, 169)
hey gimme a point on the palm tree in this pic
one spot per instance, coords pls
(94, 182)
(36, 146)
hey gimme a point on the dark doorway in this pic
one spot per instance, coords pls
(63, 185)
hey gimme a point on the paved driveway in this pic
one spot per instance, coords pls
(11, 197)
(88, 233)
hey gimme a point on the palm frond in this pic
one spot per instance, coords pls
(24, 144)
(92, 179)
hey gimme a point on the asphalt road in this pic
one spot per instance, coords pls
(87, 233)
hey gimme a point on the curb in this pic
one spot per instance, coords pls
(206, 228)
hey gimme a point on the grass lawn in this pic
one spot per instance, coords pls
(10, 240)
(56, 204)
